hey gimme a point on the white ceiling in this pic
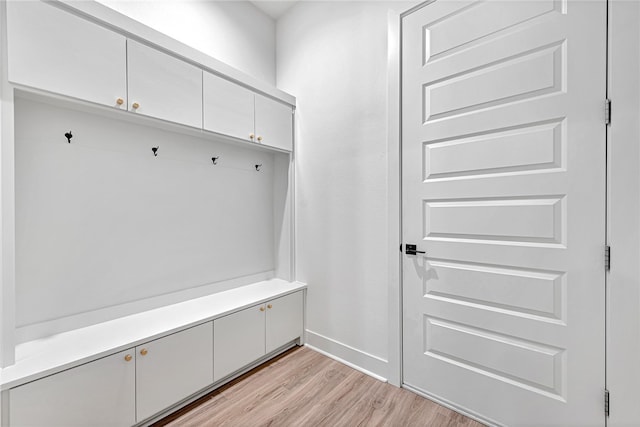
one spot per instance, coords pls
(274, 9)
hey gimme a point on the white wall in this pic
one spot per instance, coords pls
(101, 222)
(234, 32)
(333, 57)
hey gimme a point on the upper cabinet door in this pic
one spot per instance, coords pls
(59, 52)
(274, 123)
(164, 87)
(228, 107)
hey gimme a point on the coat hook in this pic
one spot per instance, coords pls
(155, 150)
(215, 160)
(258, 167)
(68, 135)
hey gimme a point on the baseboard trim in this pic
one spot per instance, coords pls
(447, 404)
(359, 360)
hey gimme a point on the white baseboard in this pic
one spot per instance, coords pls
(366, 363)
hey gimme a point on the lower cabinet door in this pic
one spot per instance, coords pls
(99, 393)
(238, 340)
(284, 320)
(172, 368)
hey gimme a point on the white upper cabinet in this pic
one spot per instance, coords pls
(163, 87)
(273, 123)
(228, 107)
(56, 51)
(99, 393)
(172, 368)
(231, 109)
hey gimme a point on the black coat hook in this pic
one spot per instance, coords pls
(215, 160)
(68, 135)
(258, 167)
(155, 150)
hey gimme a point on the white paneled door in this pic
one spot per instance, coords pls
(504, 189)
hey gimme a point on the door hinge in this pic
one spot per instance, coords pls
(606, 402)
(607, 112)
(607, 257)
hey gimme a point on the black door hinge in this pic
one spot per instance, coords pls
(607, 112)
(606, 402)
(607, 258)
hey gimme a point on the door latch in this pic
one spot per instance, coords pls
(412, 250)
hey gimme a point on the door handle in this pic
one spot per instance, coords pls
(412, 250)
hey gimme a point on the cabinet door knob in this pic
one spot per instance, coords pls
(269, 306)
(135, 105)
(251, 136)
(143, 352)
(262, 308)
(259, 138)
(128, 358)
(119, 101)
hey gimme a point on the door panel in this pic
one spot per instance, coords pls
(163, 87)
(284, 321)
(238, 340)
(228, 107)
(274, 123)
(99, 393)
(504, 188)
(53, 50)
(172, 368)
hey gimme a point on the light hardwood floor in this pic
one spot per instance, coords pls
(304, 388)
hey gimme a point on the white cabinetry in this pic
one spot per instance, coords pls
(163, 87)
(228, 107)
(284, 319)
(249, 334)
(233, 110)
(99, 393)
(172, 368)
(273, 123)
(238, 340)
(53, 50)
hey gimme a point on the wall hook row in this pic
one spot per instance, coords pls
(68, 135)
(155, 151)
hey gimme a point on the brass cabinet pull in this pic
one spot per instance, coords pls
(119, 101)
(269, 306)
(251, 136)
(143, 352)
(128, 358)
(262, 308)
(259, 139)
(135, 105)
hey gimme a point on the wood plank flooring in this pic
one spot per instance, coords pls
(304, 388)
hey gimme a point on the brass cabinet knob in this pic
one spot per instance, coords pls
(262, 308)
(269, 306)
(251, 136)
(135, 105)
(259, 138)
(128, 358)
(119, 101)
(143, 352)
